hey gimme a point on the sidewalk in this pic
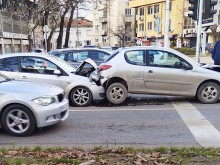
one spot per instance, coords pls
(205, 59)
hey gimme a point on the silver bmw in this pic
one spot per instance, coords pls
(159, 71)
(38, 67)
(25, 106)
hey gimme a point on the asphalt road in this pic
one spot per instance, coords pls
(142, 121)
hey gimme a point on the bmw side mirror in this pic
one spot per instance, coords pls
(57, 72)
(187, 66)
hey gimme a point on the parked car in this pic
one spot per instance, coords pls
(154, 70)
(38, 50)
(76, 56)
(114, 48)
(108, 49)
(27, 105)
(40, 67)
(89, 46)
(209, 47)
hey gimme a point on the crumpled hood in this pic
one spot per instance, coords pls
(32, 88)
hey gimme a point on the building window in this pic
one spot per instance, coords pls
(128, 25)
(96, 27)
(150, 10)
(78, 43)
(96, 40)
(87, 42)
(128, 12)
(127, 38)
(149, 26)
(88, 32)
(104, 13)
(156, 9)
(104, 26)
(141, 27)
(104, 39)
(141, 11)
(103, 1)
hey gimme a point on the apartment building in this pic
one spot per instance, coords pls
(84, 33)
(113, 23)
(13, 33)
(151, 21)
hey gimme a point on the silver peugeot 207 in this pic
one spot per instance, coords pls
(159, 71)
(25, 106)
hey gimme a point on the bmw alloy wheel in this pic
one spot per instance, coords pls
(18, 120)
(81, 96)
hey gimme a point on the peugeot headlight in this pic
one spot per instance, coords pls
(44, 100)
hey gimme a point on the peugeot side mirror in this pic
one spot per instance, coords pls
(187, 66)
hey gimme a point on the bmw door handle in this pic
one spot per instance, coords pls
(150, 71)
(24, 77)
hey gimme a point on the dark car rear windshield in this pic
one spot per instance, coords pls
(111, 56)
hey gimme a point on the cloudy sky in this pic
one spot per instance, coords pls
(85, 11)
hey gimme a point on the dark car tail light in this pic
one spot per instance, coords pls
(104, 67)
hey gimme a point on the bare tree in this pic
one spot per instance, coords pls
(33, 12)
(121, 31)
(73, 4)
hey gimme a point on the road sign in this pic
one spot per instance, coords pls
(138, 42)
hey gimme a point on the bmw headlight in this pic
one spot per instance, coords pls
(44, 100)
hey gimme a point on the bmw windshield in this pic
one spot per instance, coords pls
(64, 63)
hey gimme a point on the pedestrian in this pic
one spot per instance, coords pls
(216, 53)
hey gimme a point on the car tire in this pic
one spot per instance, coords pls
(116, 93)
(18, 120)
(208, 93)
(81, 96)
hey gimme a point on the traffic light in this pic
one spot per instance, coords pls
(209, 9)
(212, 7)
(194, 9)
(3, 4)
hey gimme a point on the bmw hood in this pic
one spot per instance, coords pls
(32, 88)
(83, 65)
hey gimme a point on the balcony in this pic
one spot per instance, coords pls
(103, 19)
(103, 32)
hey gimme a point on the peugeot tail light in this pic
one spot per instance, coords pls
(104, 67)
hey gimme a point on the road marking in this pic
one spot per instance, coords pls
(203, 131)
(105, 110)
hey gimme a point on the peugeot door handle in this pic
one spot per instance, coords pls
(150, 71)
(24, 77)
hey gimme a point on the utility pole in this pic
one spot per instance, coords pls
(77, 27)
(166, 33)
(198, 41)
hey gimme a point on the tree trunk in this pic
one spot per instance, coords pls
(60, 37)
(66, 44)
(46, 15)
(30, 40)
(214, 32)
(50, 37)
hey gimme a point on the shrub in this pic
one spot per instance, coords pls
(186, 51)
